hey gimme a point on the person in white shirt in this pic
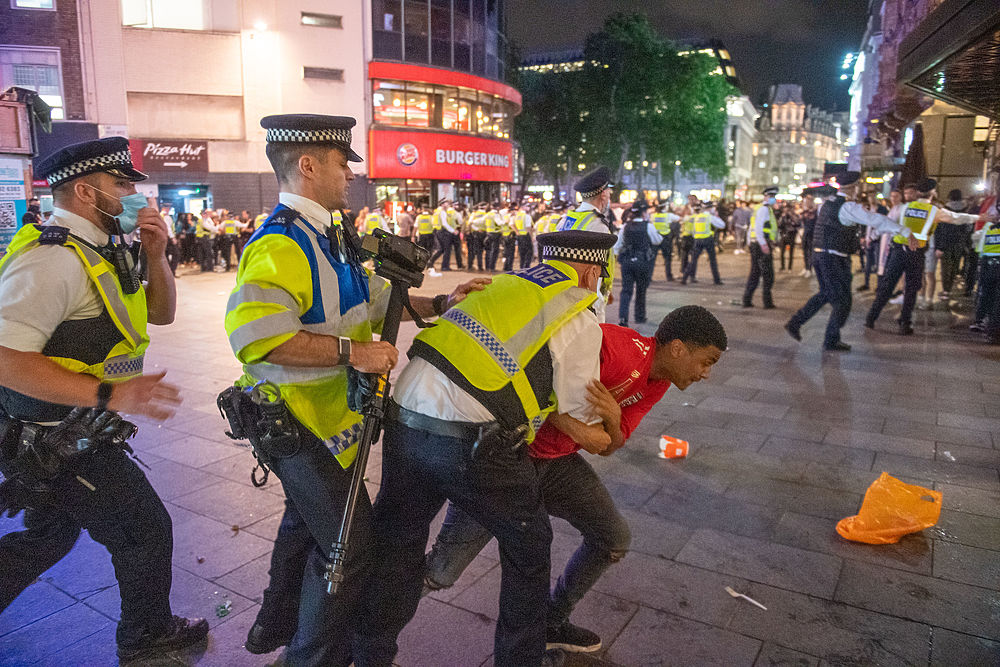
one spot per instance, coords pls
(703, 225)
(763, 239)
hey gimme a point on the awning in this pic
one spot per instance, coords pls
(954, 55)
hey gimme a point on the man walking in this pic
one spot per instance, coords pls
(763, 240)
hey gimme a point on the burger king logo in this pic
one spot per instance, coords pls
(407, 154)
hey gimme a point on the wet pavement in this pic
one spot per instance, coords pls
(785, 439)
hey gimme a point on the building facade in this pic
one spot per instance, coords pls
(797, 142)
(187, 83)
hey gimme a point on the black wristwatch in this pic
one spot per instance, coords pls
(104, 395)
(440, 304)
(344, 351)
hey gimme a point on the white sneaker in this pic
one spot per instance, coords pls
(897, 300)
(433, 273)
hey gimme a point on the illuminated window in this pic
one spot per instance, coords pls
(982, 130)
(37, 70)
(176, 14)
(322, 20)
(33, 4)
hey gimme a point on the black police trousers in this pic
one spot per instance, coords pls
(708, 246)
(834, 276)
(761, 266)
(123, 513)
(635, 276)
(509, 246)
(316, 486)
(901, 262)
(666, 248)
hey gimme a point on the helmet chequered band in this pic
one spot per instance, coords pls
(90, 165)
(584, 256)
(594, 193)
(281, 135)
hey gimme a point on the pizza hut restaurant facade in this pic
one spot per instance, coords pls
(440, 134)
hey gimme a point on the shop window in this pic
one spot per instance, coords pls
(33, 4)
(176, 14)
(418, 109)
(37, 70)
(322, 20)
(417, 30)
(389, 102)
(456, 114)
(387, 29)
(441, 33)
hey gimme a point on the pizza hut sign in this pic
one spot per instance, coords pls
(169, 155)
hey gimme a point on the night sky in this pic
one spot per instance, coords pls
(771, 41)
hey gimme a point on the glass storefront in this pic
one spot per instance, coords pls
(464, 35)
(463, 110)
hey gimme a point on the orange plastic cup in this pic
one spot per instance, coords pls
(672, 448)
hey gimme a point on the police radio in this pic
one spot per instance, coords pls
(124, 263)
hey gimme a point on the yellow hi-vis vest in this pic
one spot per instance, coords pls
(289, 281)
(373, 221)
(229, 227)
(200, 231)
(424, 224)
(662, 223)
(771, 226)
(522, 223)
(580, 220)
(916, 216)
(701, 225)
(436, 220)
(477, 221)
(127, 311)
(492, 226)
(687, 226)
(454, 218)
(486, 344)
(989, 242)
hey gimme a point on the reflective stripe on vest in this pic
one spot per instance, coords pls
(489, 338)
(492, 226)
(989, 242)
(436, 219)
(373, 221)
(662, 223)
(522, 223)
(127, 311)
(701, 225)
(578, 220)
(338, 306)
(200, 231)
(771, 226)
(917, 218)
(477, 221)
(424, 224)
(229, 227)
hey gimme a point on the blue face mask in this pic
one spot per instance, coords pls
(128, 219)
(772, 200)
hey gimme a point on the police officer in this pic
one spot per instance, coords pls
(476, 390)
(302, 312)
(522, 229)
(375, 219)
(763, 239)
(510, 235)
(73, 320)
(703, 226)
(475, 235)
(425, 228)
(920, 217)
(494, 233)
(637, 239)
(664, 221)
(444, 234)
(229, 231)
(987, 245)
(593, 215)
(685, 239)
(834, 236)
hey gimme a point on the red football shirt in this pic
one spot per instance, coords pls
(626, 359)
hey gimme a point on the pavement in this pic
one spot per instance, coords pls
(785, 439)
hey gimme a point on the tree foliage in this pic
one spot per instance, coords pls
(635, 98)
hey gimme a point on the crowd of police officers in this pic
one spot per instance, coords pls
(302, 320)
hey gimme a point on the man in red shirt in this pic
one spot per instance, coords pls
(635, 373)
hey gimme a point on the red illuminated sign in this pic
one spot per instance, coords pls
(438, 156)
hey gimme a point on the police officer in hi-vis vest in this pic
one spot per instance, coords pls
(987, 245)
(477, 388)
(73, 318)
(664, 221)
(425, 228)
(494, 233)
(304, 310)
(763, 239)
(921, 217)
(833, 240)
(703, 226)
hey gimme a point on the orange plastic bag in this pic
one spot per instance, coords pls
(891, 509)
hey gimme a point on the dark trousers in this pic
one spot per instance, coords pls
(635, 276)
(474, 246)
(666, 248)
(316, 488)
(443, 238)
(571, 490)
(950, 260)
(509, 246)
(988, 294)
(426, 241)
(787, 249)
(708, 246)
(499, 489)
(834, 276)
(761, 267)
(971, 269)
(189, 252)
(124, 514)
(524, 250)
(173, 255)
(206, 253)
(227, 242)
(871, 260)
(901, 262)
(684, 247)
(807, 251)
(456, 245)
(492, 247)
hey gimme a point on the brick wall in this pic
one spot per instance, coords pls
(60, 28)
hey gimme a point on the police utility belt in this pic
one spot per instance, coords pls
(487, 437)
(258, 414)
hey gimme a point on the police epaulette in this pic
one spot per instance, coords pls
(53, 235)
(283, 216)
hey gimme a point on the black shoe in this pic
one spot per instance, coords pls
(719, 282)
(623, 323)
(180, 633)
(670, 279)
(572, 638)
(793, 331)
(694, 280)
(905, 329)
(747, 304)
(869, 324)
(862, 288)
(260, 640)
(977, 326)
(838, 347)
(684, 281)
(642, 321)
(769, 306)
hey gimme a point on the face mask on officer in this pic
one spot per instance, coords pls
(128, 219)
(771, 201)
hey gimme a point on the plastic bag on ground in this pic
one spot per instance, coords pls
(891, 509)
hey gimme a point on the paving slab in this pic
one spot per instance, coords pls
(940, 471)
(953, 648)
(966, 499)
(968, 565)
(772, 655)
(960, 607)
(232, 503)
(50, 634)
(973, 530)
